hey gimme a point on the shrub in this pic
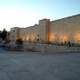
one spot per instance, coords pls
(19, 42)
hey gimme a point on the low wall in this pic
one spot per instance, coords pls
(48, 48)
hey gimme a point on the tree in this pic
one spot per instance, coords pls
(4, 34)
(0, 34)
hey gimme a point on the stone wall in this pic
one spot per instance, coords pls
(43, 30)
(66, 29)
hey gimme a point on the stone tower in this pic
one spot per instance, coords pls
(43, 30)
(14, 34)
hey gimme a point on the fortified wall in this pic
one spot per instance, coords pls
(62, 30)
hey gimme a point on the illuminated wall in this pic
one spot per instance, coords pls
(52, 37)
(14, 34)
(28, 34)
(66, 29)
(77, 37)
(43, 30)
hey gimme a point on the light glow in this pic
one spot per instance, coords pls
(77, 37)
(63, 37)
(51, 37)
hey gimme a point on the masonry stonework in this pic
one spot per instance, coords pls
(62, 30)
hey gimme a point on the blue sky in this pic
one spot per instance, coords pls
(23, 13)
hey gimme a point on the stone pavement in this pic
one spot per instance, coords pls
(36, 66)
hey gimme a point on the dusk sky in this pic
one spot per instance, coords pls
(24, 13)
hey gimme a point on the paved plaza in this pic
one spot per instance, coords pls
(39, 66)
